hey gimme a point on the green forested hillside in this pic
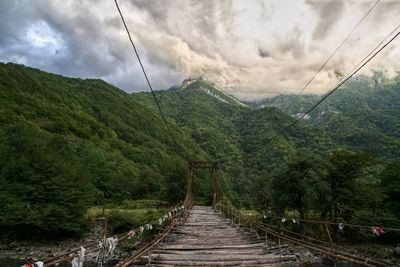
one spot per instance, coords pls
(67, 144)
(306, 169)
(234, 134)
(364, 115)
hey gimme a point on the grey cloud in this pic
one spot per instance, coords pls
(338, 74)
(388, 8)
(178, 39)
(10, 27)
(157, 9)
(263, 53)
(329, 12)
(266, 10)
(87, 50)
(206, 21)
(293, 44)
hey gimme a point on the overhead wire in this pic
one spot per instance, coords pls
(374, 52)
(247, 220)
(359, 66)
(278, 227)
(369, 227)
(93, 246)
(325, 247)
(145, 74)
(338, 48)
(313, 245)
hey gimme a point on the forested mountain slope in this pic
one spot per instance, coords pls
(66, 144)
(364, 115)
(306, 168)
(236, 135)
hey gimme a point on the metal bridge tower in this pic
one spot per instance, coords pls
(193, 165)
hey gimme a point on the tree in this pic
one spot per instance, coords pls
(293, 184)
(390, 183)
(174, 184)
(43, 191)
(343, 170)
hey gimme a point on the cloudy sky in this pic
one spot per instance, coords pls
(252, 49)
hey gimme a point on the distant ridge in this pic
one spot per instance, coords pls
(211, 89)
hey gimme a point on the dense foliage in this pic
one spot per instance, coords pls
(236, 135)
(68, 144)
(363, 115)
(309, 169)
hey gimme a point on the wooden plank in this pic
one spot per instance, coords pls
(209, 239)
(241, 246)
(221, 263)
(214, 251)
(218, 258)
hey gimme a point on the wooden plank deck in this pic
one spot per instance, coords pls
(209, 239)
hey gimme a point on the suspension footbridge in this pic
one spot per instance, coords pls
(217, 235)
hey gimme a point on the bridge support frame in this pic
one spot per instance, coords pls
(213, 166)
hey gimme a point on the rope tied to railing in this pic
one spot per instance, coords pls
(181, 213)
(109, 244)
(330, 248)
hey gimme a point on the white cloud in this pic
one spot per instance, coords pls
(41, 35)
(253, 49)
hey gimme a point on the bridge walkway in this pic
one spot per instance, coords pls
(207, 238)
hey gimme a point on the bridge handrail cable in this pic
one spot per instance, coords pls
(331, 250)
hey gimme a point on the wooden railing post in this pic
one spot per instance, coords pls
(266, 238)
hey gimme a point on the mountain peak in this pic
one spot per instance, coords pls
(210, 89)
(188, 82)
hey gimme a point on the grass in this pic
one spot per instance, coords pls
(127, 216)
(94, 212)
(250, 212)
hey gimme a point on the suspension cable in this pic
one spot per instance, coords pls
(145, 74)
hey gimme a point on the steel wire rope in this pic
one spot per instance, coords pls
(338, 48)
(372, 54)
(145, 74)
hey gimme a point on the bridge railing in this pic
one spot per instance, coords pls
(279, 233)
(179, 217)
(97, 246)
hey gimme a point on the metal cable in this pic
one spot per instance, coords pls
(357, 68)
(145, 74)
(337, 48)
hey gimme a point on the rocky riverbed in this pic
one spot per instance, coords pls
(16, 254)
